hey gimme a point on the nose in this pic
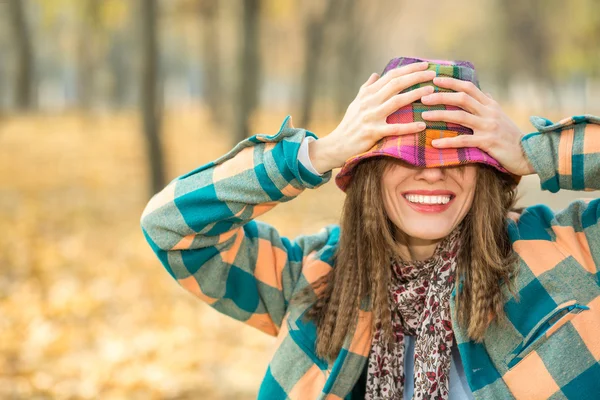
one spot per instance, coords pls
(431, 175)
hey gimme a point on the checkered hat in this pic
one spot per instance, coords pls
(416, 149)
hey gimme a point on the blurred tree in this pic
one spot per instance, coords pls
(209, 13)
(151, 93)
(23, 89)
(118, 28)
(89, 15)
(350, 52)
(314, 42)
(4, 53)
(249, 68)
(527, 41)
(119, 44)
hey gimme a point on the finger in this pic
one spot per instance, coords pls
(406, 69)
(400, 100)
(401, 83)
(462, 86)
(458, 141)
(455, 116)
(458, 99)
(401, 129)
(372, 79)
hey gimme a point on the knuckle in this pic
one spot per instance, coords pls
(409, 68)
(395, 72)
(398, 100)
(397, 81)
(439, 97)
(367, 90)
(372, 134)
(368, 115)
(463, 98)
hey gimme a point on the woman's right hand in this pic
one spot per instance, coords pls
(365, 120)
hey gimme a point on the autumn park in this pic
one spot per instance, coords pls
(103, 102)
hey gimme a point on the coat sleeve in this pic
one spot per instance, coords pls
(566, 155)
(202, 228)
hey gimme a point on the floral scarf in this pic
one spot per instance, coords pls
(420, 294)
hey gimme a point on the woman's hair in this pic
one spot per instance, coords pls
(368, 242)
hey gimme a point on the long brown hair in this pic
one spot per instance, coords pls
(368, 241)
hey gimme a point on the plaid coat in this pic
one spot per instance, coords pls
(202, 227)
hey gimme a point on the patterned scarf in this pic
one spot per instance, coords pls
(420, 293)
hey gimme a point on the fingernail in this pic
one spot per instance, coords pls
(428, 97)
(421, 125)
(435, 142)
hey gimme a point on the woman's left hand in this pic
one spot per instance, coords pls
(493, 130)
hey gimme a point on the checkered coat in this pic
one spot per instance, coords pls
(203, 229)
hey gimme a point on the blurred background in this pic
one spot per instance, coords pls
(102, 102)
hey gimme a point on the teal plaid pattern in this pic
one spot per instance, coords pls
(549, 347)
(202, 228)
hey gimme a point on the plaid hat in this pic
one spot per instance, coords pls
(416, 149)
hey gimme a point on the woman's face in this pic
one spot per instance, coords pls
(427, 203)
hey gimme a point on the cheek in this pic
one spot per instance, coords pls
(387, 200)
(469, 186)
(470, 197)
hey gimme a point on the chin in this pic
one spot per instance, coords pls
(428, 230)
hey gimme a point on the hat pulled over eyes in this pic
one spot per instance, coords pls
(416, 148)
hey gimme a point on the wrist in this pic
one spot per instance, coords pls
(528, 165)
(321, 153)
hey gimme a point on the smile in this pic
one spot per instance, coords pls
(429, 204)
(422, 199)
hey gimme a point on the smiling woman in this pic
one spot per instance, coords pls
(427, 288)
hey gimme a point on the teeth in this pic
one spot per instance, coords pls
(427, 199)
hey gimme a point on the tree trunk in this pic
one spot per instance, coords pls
(23, 89)
(210, 52)
(87, 44)
(315, 28)
(526, 42)
(350, 55)
(151, 94)
(117, 65)
(249, 68)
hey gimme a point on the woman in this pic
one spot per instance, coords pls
(426, 289)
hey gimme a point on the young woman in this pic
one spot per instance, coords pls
(427, 289)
